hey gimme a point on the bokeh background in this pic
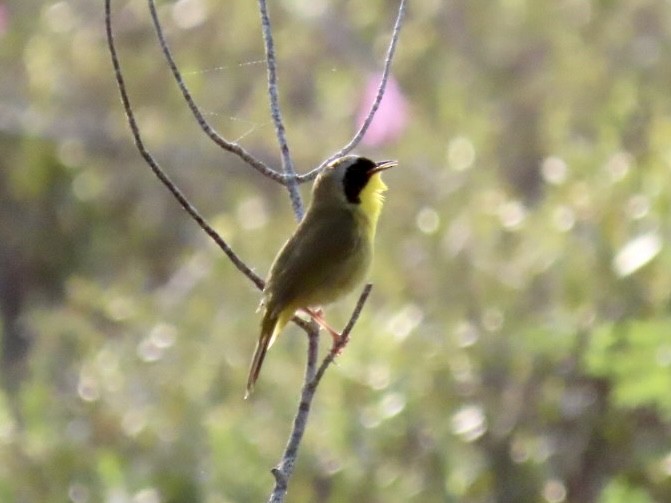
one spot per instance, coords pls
(517, 345)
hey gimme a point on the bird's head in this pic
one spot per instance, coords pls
(351, 179)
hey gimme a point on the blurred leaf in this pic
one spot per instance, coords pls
(619, 491)
(636, 357)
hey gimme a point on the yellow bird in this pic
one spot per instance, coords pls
(328, 254)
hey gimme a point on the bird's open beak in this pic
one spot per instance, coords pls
(381, 166)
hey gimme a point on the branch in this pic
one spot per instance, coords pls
(283, 471)
(165, 179)
(232, 147)
(289, 177)
(344, 338)
(287, 163)
(313, 375)
(358, 136)
(381, 87)
(158, 171)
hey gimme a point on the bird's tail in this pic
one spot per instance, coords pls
(269, 330)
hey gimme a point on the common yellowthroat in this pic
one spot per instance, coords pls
(328, 254)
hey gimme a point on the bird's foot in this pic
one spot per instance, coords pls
(318, 316)
(339, 344)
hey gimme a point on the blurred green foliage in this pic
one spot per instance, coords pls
(516, 346)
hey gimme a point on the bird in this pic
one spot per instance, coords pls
(328, 254)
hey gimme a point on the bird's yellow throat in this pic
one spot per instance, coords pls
(372, 199)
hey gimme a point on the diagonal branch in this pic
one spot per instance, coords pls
(282, 472)
(165, 179)
(287, 163)
(344, 338)
(289, 177)
(313, 374)
(358, 136)
(156, 168)
(232, 147)
(391, 50)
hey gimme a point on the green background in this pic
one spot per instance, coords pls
(517, 344)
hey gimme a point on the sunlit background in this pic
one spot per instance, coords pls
(517, 344)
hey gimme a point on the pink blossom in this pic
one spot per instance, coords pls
(392, 116)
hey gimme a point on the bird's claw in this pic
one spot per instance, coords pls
(339, 340)
(339, 343)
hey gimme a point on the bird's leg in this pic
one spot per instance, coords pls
(318, 316)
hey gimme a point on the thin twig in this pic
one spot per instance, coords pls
(229, 146)
(358, 136)
(344, 338)
(313, 375)
(289, 177)
(158, 171)
(380, 89)
(163, 177)
(287, 163)
(282, 472)
(284, 469)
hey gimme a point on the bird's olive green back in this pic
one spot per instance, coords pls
(327, 256)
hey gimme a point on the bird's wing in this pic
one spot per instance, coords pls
(318, 259)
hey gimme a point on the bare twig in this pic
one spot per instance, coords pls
(232, 147)
(344, 337)
(165, 179)
(158, 171)
(282, 472)
(351, 145)
(287, 163)
(381, 87)
(289, 177)
(313, 374)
